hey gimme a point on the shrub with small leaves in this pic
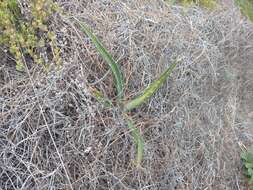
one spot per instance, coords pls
(26, 37)
(247, 158)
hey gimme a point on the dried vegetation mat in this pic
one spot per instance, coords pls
(55, 135)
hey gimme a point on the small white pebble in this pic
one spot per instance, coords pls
(87, 150)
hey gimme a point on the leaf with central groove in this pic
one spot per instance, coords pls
(148, 92)
(118, 78)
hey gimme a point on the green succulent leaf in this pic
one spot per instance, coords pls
(138, 141)
(118, 78)
(149, 91)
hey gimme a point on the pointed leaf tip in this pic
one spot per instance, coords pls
(117, 75)
(149, 91)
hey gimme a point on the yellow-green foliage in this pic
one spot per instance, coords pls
(25, 36)
(246, 7)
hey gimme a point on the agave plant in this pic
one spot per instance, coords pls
(119, 83)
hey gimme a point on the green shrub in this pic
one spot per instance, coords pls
(26, 36)
(119, 83)
(247, 158)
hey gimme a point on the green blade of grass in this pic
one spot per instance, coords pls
(138, 141)
(118, 78)
(149, 91)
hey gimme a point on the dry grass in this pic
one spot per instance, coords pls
(54, 135)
